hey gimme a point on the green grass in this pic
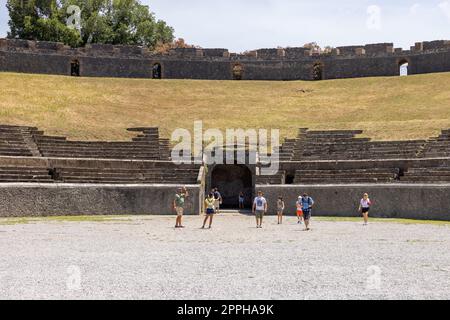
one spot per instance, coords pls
(12, 221)
(383, 220)
(25, 220)
(388, 108)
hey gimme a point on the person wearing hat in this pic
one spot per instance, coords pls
(299, 210)
(307, 204)
(178, 205)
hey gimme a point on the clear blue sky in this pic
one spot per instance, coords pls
(250, 24)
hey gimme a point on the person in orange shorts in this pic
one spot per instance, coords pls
(299, 210)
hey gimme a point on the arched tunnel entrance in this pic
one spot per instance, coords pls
(231, 180)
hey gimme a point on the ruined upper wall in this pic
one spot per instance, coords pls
(300, 63)
(295, 53)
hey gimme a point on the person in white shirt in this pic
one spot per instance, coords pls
(259, 208)
(364, 207)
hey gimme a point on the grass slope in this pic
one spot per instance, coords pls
(101, 108)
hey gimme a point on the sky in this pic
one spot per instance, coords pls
(241, 25)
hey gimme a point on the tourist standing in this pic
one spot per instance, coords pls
(307, 205)
(210, 210)
(241, 200)
(364, 207)
(179, 204)
(280, 209)
(259, 208)
(218, 200)
(299, 210)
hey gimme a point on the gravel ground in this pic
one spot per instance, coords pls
(146, 258)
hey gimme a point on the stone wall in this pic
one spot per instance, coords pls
(217, 64)
(422, 202)
(30, 200)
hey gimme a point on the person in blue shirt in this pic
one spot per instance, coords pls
(307, 204)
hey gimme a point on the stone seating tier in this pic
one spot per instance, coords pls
(25, 174)
(344, 145)
(436, 174)
(160, 174)
(375, 175)
(273, 179)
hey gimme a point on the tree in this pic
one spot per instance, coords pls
(124, 22)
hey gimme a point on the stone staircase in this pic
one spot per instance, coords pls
(17, 141)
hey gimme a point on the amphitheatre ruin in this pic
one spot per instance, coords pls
(46, 175)
(100, 60)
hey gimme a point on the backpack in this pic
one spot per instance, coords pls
(309, 201)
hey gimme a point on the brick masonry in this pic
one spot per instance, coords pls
(217, 64)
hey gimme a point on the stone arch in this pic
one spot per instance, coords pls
(317, 71)
(404, 67)
(157, 71)
(238, 71)
(75, 68)
(231, 180)
(289, 179)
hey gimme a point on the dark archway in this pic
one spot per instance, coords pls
(317, 71)
(403, 67)
(289, 179)
(157, 71)
(231, 180)
(238, 71)
(75, 68)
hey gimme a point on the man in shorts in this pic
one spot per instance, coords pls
(178, 205)
(259, 208)
(307, 204)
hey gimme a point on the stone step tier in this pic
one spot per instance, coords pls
(427, 175)
(17, 141)
(146, 146)
(25, 174)
(276, 179)
(164, 173)
(373, 175)
(344, 145)
(437, 147)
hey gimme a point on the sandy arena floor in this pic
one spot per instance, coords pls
(146, 258)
